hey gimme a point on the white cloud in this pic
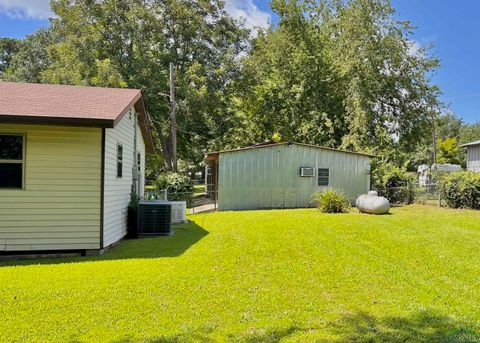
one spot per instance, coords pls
(37, 9)
(414, 48)
(40, 9)
(248, 11)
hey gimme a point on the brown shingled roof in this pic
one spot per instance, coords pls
(70, 105)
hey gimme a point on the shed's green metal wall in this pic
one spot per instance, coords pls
(269, 177)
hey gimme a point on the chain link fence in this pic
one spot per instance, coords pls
(202, 198)
(429, 194)
(409, 193)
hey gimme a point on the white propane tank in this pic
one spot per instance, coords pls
(372, 203)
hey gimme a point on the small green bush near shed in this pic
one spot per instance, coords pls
(393, 182)
(461, 189)
(332, 201)
(179, 186)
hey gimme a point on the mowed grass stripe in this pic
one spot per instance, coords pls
(280, 275)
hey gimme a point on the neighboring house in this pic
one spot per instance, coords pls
(283, 175)
(70, 157)
(445, 168)
(426, 174)
(473, 156)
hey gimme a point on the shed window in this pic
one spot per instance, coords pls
(11, 161)
(119, 161)
(323, 176)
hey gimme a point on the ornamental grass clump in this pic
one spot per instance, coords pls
(332, 201)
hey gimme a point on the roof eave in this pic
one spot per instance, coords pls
(145, 125)
(136, 102)
(68, 121)
(290, 143)
(470, 144)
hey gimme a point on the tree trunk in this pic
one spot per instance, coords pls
(173, 118)
(165, 143)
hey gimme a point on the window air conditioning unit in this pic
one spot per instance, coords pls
(307, 172)
(154, 218)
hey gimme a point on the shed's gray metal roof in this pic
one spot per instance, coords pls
(268, 144)
(471, 143)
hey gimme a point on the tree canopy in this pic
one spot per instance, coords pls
(341, 74)
(8, 48)
(344, 74)
(452, 132)
(130, 44)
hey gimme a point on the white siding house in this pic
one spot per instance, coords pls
(473, 156)
(118, 188)
(58, 206)
(64, 182)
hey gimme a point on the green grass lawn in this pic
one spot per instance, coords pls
(291, 275)
(199, 188)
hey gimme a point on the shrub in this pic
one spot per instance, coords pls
(399, 189)
(132, 216)
(179, 186)
(134, 200)
(393, 182)
(461, 189)
(332, 201)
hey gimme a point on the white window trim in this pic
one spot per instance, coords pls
(119, 161)
(22, 161)
(328, 183)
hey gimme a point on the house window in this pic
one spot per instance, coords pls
(323, 176)
(139, 170)
(11, 161)
(119, 161)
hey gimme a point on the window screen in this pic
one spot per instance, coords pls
(119, 160)
(323, 176)
(11, 161)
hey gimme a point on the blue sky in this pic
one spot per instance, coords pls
(453, 27)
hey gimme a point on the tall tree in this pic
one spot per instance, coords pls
(451, 133)
(131, 43)
(470, 133)
(8, 48)
(449, 151)
(32, 58)
(448, 125)
(342, 74)
(290, 89)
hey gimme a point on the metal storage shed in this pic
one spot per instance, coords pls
(473, 156)
(283, 175)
